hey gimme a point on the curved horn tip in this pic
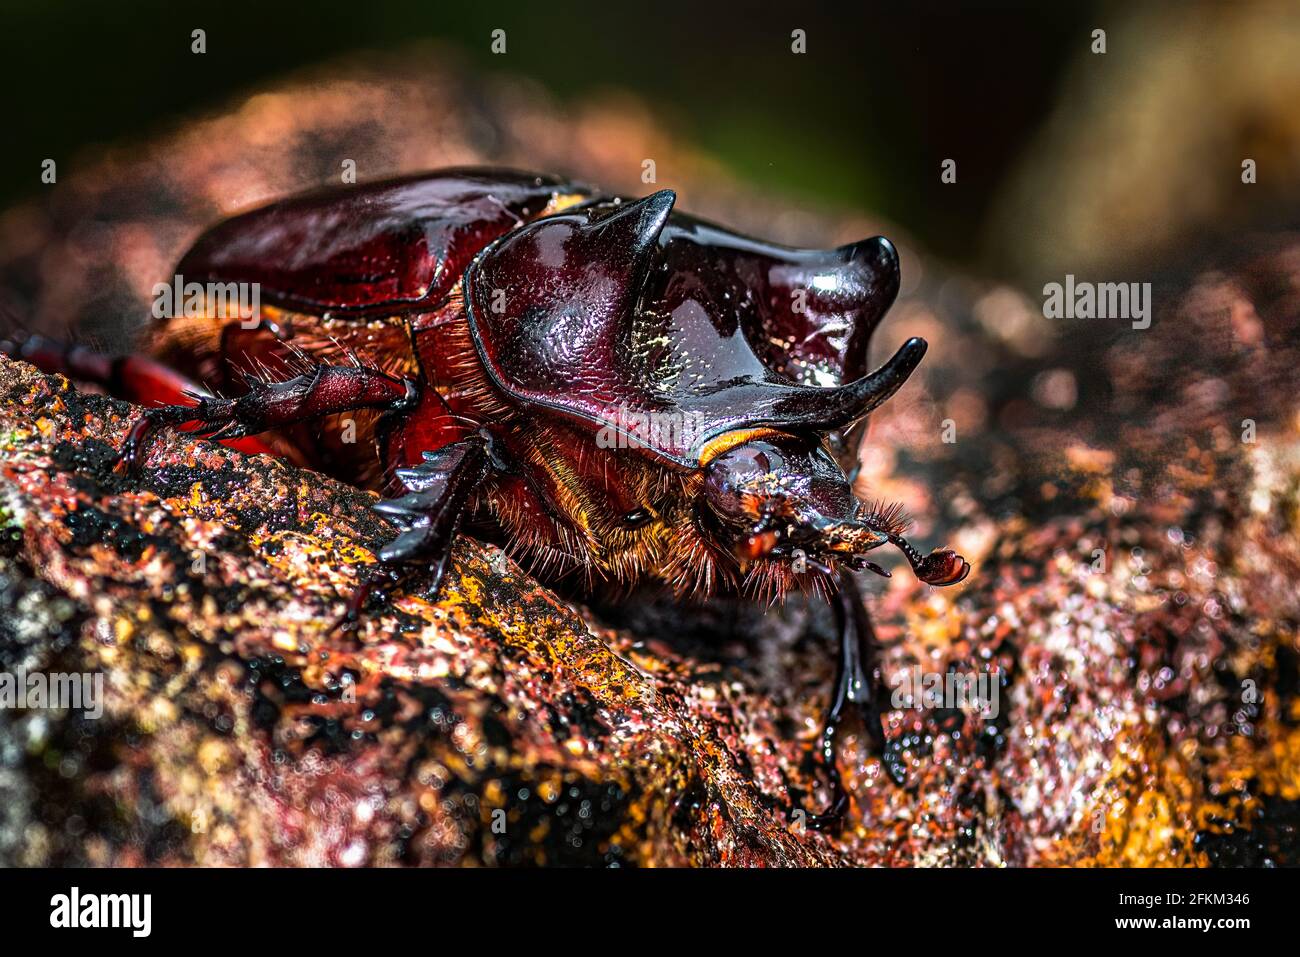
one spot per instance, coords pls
(887, 256)
(656, 208)
(902, 363)
(647, 216)
(875, 266)
(910, 354)
(877, 252)
(662, 197)
(898, 369)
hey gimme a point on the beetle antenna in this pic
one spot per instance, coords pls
(940, 567)
(913, 557)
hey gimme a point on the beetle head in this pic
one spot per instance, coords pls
(784, 498)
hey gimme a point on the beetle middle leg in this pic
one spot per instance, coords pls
(429, 515)
(326, 390)
(859, 689)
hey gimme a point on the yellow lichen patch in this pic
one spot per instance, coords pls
(1280, 775)
(543, 628)
(1144, 814)
(305, 559)
(214, 755)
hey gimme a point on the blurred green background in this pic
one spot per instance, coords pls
(864, 118)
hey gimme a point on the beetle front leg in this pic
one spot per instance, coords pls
(439, 491)
(859, 689)
(326, 390)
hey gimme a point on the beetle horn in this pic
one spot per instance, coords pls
(843, 294)
(869, 277)
(636, 226)
(822, 410)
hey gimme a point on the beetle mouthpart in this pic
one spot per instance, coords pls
(758, 545)
(814, 535)
(849, 538)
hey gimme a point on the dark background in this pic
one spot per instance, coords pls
(864, 119)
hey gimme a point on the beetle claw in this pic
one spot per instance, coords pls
(136, 446)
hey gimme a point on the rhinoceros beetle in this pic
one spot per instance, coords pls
(619, 390)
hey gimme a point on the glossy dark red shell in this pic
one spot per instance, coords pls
(625, 316)
(372, 248)
(604, 312)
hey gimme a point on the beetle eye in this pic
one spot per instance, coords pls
(636, 518)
